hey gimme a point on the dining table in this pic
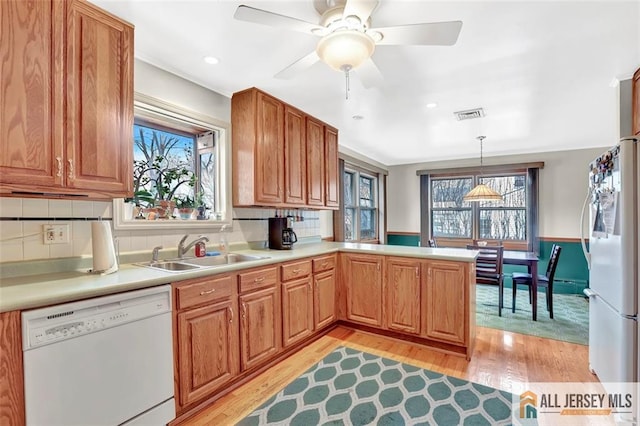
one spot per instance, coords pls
(530, 260)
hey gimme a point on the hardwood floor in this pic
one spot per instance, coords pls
(501, 359)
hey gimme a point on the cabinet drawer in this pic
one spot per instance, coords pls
(324, 263)
(259, 278)
(197, 292)
(295, 270)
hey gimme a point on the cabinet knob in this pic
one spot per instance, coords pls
(59, 162)
(70, 175)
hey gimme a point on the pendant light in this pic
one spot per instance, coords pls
(482, 192)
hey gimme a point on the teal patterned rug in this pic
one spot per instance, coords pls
(349, 387)
(570, 321)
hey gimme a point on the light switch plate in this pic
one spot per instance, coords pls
(56, 234)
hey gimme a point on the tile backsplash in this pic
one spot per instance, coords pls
(22, 220)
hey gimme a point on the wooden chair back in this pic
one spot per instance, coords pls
(488, 264)
(553, 262)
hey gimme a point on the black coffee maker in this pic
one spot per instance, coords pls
(281, 235)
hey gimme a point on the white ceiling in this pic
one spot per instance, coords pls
(541, 70)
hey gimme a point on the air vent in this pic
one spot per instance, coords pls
(469, 114)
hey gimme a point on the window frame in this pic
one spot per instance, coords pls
(175, 118)
(357, 172)
(529, 171)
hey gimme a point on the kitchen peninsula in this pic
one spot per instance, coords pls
(268, 308)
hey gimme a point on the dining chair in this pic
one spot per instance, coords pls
(546, 280)
(489, 269)
(432, 243)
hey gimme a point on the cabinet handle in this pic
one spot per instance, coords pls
(296, 271)
(324, 264)
(71, 173)
(244, 310)
(378, 266)
(231, 313)
(202, 293)
(59, 161)
(258, 280)
(417, 272)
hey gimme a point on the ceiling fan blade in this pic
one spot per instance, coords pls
(437, 33)
(360, 8)
(369, 74)
(259, 16)
(297, 66)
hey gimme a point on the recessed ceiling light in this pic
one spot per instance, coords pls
(211, 60)
(358, 117)
(432, 105)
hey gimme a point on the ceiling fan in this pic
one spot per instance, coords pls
(347, 38)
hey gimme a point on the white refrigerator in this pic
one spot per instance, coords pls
(613, 203)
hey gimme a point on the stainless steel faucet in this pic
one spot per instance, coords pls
(154, 254)
(181, 247)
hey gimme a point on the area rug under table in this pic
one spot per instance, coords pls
(349, 387)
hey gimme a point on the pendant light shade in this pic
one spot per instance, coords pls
(482, 192)
(345, 50)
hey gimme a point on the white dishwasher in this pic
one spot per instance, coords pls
(102, 361)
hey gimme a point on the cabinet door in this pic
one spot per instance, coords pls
(99, 99)
(12, 410)
(297, 310)
(324, 288)
(364, 289)
(444, 301)
(635, 109)
(315, 162)
(269, 150)
(31, 94)
(260, 326)
(295, 153)
(331, 167)
(403, 295)
(207, 350)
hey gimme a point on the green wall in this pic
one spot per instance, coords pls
(572, 275)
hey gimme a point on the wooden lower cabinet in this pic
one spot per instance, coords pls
(324, 299)
(362, 277)
(12, 409)
(403, 294)
(207, 336)
(446, 301)
(260, 326)
(297, 311)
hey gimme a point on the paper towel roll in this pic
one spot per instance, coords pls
(104, 253)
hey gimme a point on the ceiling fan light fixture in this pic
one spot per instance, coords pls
(345, 50)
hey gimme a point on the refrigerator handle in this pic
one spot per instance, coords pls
(589, 293)
(586, 253)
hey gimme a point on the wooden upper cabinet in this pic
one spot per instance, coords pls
(71, 55)
(332, 185)
(278, 154)
(315, 162)
(402, 290)
(99, 99)
(363, 280)
(636, 103)
(295, 155)
(31, 116)
(257, 128)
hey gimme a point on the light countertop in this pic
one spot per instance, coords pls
(33, 291)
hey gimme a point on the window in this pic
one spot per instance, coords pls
(179, 171)
(360, 206)
(455, 222)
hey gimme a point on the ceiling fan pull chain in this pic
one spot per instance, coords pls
(347, 88)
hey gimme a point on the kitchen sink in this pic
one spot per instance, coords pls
(229, 259)
(186, 264)
(171, 266)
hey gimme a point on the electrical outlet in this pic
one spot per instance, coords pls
(56, 234)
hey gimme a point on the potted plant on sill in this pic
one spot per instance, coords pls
(185, 205)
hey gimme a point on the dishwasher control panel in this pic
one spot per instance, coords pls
(62, 322)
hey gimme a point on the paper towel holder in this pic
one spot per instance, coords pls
(105, 258)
